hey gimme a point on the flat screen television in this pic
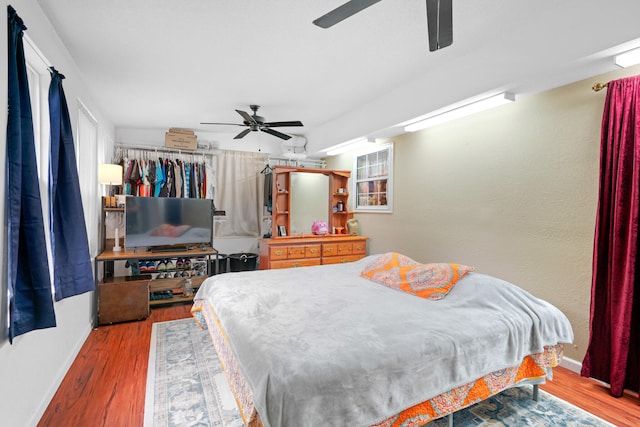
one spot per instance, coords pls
(168, 222)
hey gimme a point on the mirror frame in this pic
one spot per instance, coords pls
(281, 199)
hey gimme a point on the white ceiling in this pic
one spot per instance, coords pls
(176, 63)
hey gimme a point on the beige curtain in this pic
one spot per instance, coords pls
(239, 193)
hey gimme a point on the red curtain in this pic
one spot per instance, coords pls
(613, 355)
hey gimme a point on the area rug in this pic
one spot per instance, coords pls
(187, 387)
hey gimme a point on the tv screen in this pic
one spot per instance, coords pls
(168, 221)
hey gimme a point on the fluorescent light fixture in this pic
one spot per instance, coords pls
(465, 110)
(346, 146)
(628, 58)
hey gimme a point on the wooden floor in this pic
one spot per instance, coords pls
(106, 384)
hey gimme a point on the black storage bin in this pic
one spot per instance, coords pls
(242, 262)
(222, 264)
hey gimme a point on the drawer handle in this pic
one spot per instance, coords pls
(296, 265)
(329, 249)
(358, 248)
(344, 261)
(339, 249)
(313, 250)
(278, 252)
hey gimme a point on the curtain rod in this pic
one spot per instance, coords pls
(599, 86)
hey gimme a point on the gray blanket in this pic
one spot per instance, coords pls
(324, 346)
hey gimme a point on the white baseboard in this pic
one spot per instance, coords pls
(61, 374)
(570, 364)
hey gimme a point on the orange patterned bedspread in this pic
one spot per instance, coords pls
(533, 367)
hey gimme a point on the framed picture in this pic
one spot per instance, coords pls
(282, 230)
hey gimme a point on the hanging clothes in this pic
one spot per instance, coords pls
(186, 175)
(159, 178)
(267, 186)
(72, 271)
(177, 176)
(30, 300)
(210, 183)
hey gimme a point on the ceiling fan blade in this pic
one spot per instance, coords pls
(343, 12)
(275, 133)
(226, 124)
(242, 134)
(283, 124)
(440, 23)
(247, 118)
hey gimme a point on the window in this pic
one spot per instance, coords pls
(373, 172)
(86, 150)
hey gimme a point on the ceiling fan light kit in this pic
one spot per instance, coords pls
(439, 19)
(256, 123)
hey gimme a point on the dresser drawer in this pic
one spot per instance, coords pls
(345, 248)
(329, 249)
(312, 251)
(295, 263)
(279, 252)
(341, 259)
(359, 248)
(295, 252)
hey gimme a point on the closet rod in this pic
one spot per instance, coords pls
(314, 162)
(164, 149)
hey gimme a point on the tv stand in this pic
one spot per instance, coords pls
(123, 289)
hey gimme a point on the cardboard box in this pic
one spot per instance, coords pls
(181, 141)
(183, 131)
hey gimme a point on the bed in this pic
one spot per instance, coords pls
(324, 345)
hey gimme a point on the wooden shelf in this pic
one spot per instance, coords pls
(174, 299)
(109, 255)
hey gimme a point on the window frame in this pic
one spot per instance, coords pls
(358, 180)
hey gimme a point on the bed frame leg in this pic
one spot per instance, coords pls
(450, 418)
(535, 392)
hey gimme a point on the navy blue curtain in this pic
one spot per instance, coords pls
(72, 273)
(30, 300)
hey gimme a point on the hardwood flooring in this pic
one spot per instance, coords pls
(105, 385)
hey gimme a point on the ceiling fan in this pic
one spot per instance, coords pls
(255, 123)
(439, 19)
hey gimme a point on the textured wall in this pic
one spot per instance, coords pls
(511, 191)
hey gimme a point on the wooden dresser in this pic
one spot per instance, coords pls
(286, 252)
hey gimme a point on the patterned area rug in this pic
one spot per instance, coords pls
(187, 387)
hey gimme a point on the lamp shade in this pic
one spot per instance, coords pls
(110, 174)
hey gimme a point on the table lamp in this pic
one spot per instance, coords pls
(110, 175)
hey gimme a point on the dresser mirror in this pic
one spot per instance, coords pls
(304, 195)
(309, 200)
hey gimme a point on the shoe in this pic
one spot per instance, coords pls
(187, 264)
(179, 264)
(170, 265)
(143, 265)
(176, 274)
(151, 266)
